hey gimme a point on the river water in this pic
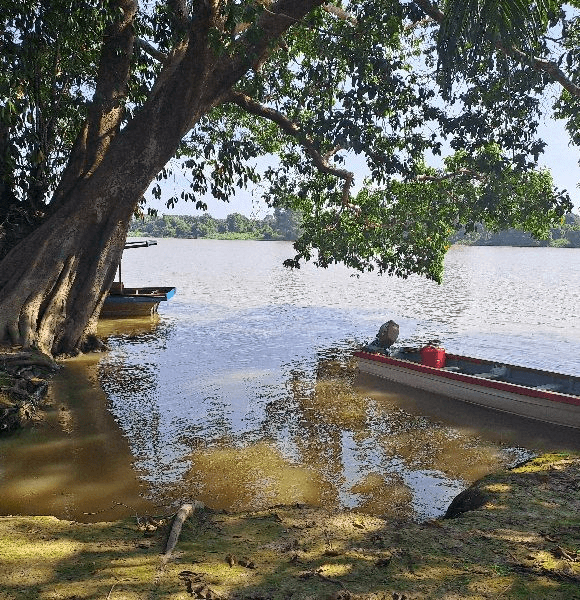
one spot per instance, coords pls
(240, 393)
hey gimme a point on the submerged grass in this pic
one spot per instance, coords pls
(522, 543)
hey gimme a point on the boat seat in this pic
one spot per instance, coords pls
(549, 387)
(486, 375)
(495, 373)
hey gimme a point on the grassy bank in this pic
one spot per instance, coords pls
(521, 541)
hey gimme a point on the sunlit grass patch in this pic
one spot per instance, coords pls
(498, 488)
(335, 569)
(541, 463)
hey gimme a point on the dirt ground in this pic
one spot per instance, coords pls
(521, 540)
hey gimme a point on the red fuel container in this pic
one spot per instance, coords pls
(433, 357)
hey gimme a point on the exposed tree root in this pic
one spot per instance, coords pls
(23, 386)
(14, 362)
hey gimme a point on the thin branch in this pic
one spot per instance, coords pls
(332, 152)
(539, 64)
(150, 49)
(547, 66)
(340, 13)
(452, 175)
(292, 129)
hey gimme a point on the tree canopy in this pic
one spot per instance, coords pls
(99, 100)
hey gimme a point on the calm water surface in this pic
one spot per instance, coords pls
(240, 393)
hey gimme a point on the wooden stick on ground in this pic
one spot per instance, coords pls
(183, 513)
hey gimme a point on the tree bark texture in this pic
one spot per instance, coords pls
(53, 283)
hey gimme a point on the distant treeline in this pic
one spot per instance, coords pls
(285, 225)
(282, 225)
(565, 236)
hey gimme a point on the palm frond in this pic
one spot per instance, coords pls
(472, 29)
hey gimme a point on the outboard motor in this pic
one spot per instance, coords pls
(388, 334)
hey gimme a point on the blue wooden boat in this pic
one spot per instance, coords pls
(135, 302)
(123, 302)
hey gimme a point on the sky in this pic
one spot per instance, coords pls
(559, 157)
(562, 159)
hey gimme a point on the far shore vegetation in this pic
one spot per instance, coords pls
(285, 225)
(281, 225)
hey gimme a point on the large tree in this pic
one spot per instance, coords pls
(97, 98)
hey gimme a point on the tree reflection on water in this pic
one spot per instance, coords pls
(325, 443)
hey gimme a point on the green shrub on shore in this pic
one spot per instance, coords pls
(285, 225)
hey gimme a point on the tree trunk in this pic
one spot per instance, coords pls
(53, 283)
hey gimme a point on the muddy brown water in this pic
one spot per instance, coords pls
(239, 395)
(76, 460)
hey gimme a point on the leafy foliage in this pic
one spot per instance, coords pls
(351, 81)
(405, 227)
(48, 58)
(472, 30)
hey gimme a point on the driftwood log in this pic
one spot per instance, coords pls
(183, 513)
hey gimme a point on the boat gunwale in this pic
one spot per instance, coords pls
(515, 388)
(162, 293)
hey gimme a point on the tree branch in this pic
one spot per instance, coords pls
(275, 20)
(430, 10)
(150, 49)
(107, 108)
(179, 13)
(547, 66)
(340, 13)
(329, 8)
(292, 129)
(446, 176)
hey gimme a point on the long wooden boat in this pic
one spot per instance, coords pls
(532, 393)
(134, 302)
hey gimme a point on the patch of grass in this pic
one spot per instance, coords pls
(540, 463)
(501, 570)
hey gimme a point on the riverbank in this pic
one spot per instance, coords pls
(520, 541)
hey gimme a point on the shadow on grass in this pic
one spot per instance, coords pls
(522, 543)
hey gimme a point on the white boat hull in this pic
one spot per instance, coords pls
(546, 406)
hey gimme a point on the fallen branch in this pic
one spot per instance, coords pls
(182, 514)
